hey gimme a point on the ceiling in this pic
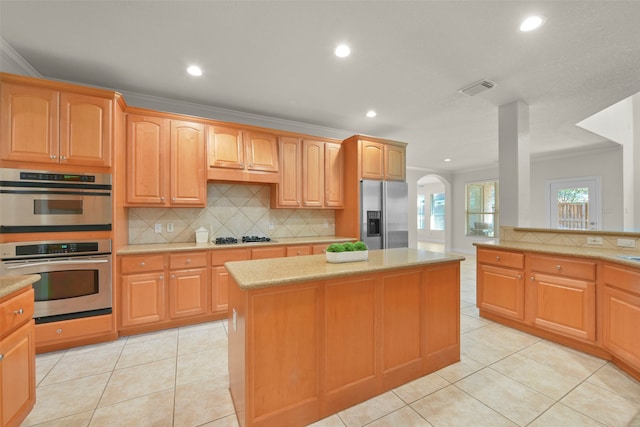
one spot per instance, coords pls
(409, 58)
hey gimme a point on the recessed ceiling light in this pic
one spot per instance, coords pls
(371, 113)
(342, 51)
(194, 70)
(447, 159)
(532, 22)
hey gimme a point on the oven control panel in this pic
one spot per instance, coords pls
(32, 249)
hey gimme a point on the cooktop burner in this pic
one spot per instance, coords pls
(251, 239)
(226, 240)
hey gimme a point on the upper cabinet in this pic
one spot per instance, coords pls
(311, 174)
(236, 154)
(47, 125)
(382, 160)
(165, 162)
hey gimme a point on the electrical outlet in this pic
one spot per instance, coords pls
(627, 243)
(157, 228)
(270, 226)
(326, 224)
(170, 227)
(594, 240)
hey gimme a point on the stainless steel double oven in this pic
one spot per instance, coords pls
(75, 273)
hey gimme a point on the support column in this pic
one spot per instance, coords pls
(631, 171)
(514, 186)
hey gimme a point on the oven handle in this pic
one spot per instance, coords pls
(60, 262)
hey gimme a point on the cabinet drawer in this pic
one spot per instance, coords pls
(501, 258)
(567, 267)
(298, 250)
(219, 257)
(622, 278)
(264, 253)
(188, 260)
(141, 264)
(16, 311)
(73, 329)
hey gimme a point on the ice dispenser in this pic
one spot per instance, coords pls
(373, 223)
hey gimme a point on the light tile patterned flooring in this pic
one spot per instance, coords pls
(178, 377)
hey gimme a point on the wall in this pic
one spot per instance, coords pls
(233, 210)
(605, 163)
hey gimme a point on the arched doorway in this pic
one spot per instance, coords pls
(433, 213)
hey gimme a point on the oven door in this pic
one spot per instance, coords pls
(69, 287)
(34, 210)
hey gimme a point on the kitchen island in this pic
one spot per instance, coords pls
(308, 338)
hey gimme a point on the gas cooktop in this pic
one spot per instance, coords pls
(245, 239)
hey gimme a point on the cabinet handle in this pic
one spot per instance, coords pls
(188, 260)
(299, 252)
(173, 198)
(142, 264)
(531, 278)
(59, 331)
(1, 356)
(519, 276)
(161, 277)
(497, 258)
(19, 312)
(558, 267)
(63, 158)
(241, 165)
(250, 165)
(53, 156)
(173, 276)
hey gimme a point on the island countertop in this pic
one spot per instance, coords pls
(281, 271)
(11, 284)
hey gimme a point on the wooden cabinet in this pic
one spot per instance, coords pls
(75, 332)
(220, 276)
(564, 295)
(142, 293)
(165, 162)
(299, 250)
(621, 313)
(270, 252)
(188, 284)
(300, 352)
(311, 176)
(47, 125)
(500, 283)
(236, 154)
(382, 161)
(17, 357)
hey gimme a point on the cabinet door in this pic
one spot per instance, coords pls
(394, 162)
(501, 291)
(29, 123)
(188, 293)
(371, 160)
(312, 173)
(333, 176)
(621, 324)
(262, 151)
(565, 306)
(143, 299)
(289, 192)
(188, 178)
(17, 375)
(219, 289)
(85, 130)
(319, 249)
(225, 148)
(147, 159)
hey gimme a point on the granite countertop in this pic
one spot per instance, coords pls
(191, 246)
(580, 251)
(282, 271)
(9, 285)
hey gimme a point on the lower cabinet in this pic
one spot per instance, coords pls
(621, 313)
(220, 276)
(143, 299)
(500, 282)
(564, 296)
(17, 358)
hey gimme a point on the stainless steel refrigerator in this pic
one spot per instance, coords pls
(384, 214)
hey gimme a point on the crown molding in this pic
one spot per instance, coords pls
(140, 100)
(17, 63)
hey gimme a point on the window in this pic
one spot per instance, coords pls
(437, 211)
(481, 208)
(421, 212)
(574, 203)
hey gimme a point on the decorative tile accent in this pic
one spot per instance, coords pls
(233, 210)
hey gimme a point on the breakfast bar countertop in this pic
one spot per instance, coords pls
(9, 285)
(281, 271)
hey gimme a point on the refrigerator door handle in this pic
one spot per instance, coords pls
(383, 196)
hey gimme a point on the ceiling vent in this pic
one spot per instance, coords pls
(477, 87)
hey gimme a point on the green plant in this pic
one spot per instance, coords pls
(347, 247)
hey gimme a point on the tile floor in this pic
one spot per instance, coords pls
(178, 377)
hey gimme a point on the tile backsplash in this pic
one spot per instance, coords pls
(233, 210)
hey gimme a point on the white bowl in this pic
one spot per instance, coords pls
(347, 256)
